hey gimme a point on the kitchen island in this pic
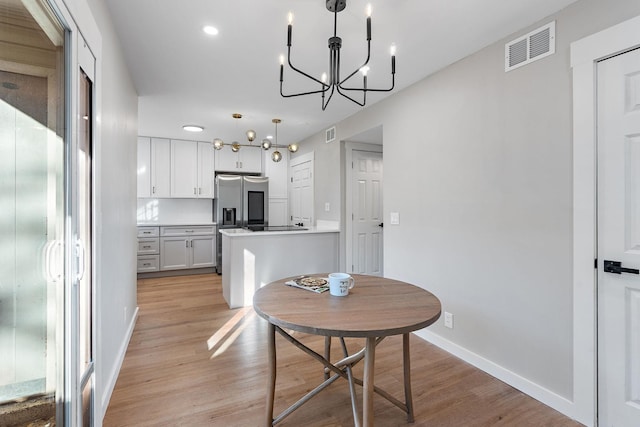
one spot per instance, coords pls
(251, 259)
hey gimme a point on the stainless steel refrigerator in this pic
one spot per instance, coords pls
(240, 201)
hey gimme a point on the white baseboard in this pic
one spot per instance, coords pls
(526, 386)
(113, 377)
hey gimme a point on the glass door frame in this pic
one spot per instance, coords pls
(69, 379)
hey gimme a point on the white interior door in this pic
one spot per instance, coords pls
(619, 240)
(302, 192)
(367, 217)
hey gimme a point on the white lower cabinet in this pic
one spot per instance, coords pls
(148, 263)
(176, 248)
(174, 253)
(148, 249)
(185, 247)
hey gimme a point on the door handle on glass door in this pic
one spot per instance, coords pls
(617, 268)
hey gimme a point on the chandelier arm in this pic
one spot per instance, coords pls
(362, 66)
(324, 104)
(353, 100)
(301, 93)
(353, 89)
(324, 85)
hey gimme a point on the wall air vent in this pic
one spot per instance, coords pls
(330, 135)
(530, 47)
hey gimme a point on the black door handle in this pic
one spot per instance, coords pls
(381, 224)
(617, 268)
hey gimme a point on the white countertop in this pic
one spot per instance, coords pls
(241, 232)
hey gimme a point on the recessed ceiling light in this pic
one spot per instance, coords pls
(212, 31)
(193, 128)
(269, 136)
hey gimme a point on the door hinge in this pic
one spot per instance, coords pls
(595, 263)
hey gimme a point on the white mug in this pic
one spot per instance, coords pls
(340, 283)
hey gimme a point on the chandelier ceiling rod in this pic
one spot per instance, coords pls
(335, 44)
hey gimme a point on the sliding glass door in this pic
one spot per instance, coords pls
(32, 200)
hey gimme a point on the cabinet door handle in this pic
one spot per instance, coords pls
(200, 190)
(147, 247)
(186, 243)
(153, 189)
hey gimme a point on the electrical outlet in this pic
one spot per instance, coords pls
(448, 320)
(327, 207)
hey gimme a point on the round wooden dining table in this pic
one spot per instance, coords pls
(375, 308)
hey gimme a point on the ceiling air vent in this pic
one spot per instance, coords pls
(330, 135)
(530, 47)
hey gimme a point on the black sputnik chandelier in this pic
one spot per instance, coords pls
(333, 82)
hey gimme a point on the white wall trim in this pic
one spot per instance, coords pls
(584, 55)
(110, 384)
(532, 389)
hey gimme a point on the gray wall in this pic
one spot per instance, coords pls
(484, 194)
(115, 174)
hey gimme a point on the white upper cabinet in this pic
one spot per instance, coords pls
(184, 169)
(174, 168)
(144, 167)
(205, 170)
(154, 163)
(246, 160)
(160, 167)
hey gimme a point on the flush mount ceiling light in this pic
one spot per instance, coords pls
(193, 128)
(335, 83)
(212, 31)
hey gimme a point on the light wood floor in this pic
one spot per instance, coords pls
(194, 362)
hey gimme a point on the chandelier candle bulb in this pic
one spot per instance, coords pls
(369, 22)
(393, 58)
(289, 26)
(281, 67)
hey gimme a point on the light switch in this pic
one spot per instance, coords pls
(327, 207)
(395, 218)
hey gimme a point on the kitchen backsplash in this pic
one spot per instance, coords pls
(175, 211)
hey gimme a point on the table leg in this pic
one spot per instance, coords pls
(327, 354)
(271, 366)
(368, 383)
(408, 399)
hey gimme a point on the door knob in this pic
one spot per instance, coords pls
(617, 268)
(381, 224)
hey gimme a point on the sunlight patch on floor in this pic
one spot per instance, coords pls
(229, 332)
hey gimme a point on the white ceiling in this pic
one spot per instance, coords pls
(184, 76)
